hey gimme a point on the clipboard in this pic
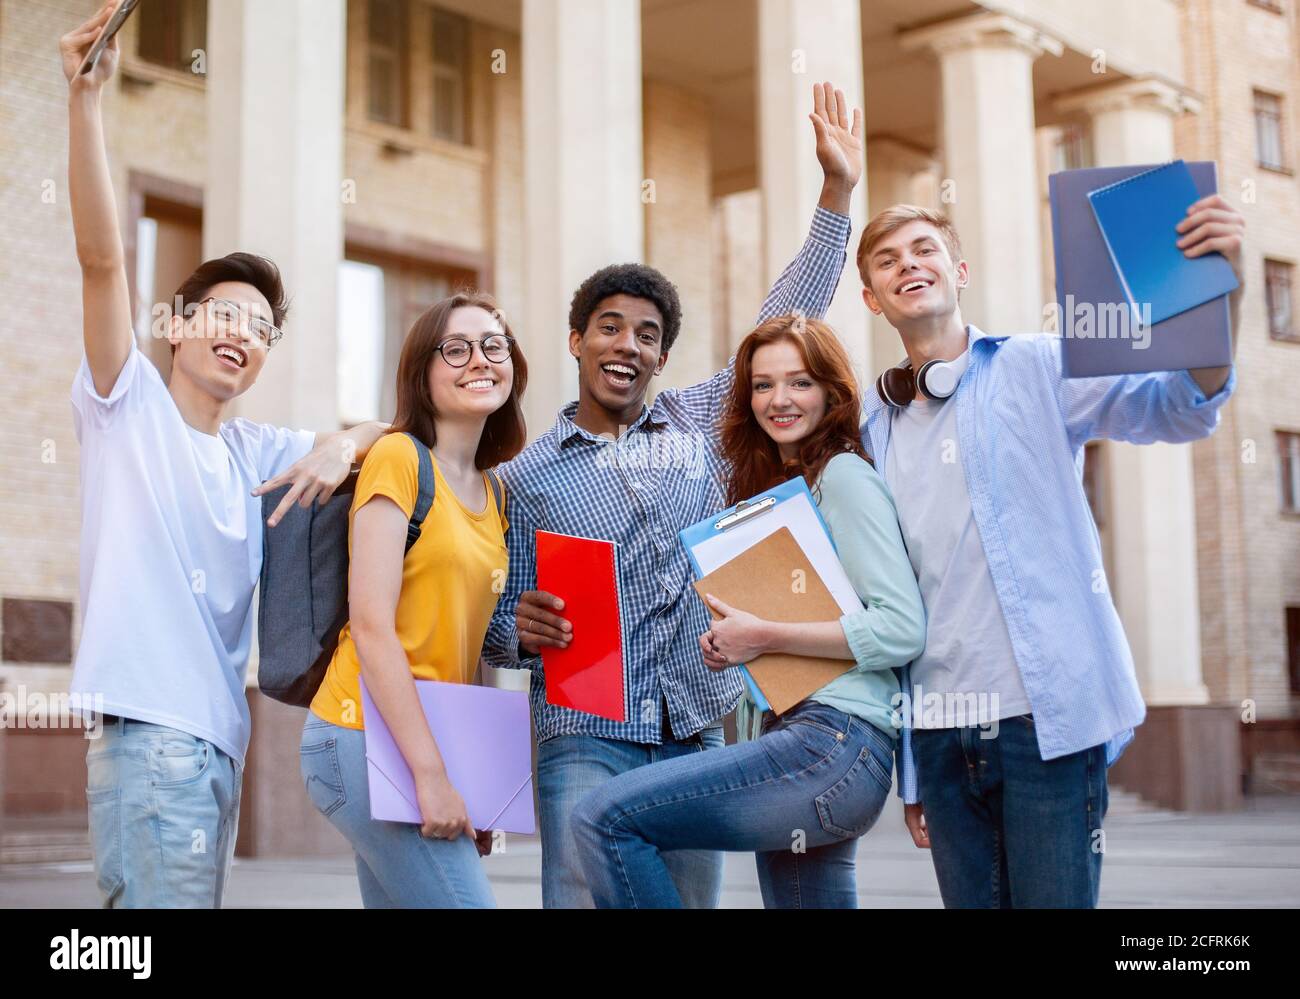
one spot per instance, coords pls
(720, 539)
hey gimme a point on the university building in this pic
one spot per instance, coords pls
(386, 152)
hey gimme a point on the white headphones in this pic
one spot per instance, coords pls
(936, 379)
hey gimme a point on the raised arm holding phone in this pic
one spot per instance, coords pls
(171, 531)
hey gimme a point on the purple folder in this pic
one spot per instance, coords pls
(1086, 279)
(485, 740)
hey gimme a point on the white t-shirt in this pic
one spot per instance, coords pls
(968, 656)
(171, 549)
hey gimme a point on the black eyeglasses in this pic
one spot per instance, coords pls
(457, 351)
(227, 314)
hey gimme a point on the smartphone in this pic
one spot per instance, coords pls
(113, 26)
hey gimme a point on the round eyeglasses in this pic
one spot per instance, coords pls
(226, 315)
(457, 351)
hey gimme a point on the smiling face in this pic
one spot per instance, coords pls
(215, 349)
(481, 387)
(912, 276)
(618, 353)
(786, 401)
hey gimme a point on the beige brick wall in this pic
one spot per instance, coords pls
(1249, 554)
(40, 341)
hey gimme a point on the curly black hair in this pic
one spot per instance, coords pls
(636, 280)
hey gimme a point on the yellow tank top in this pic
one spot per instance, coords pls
(451, 579)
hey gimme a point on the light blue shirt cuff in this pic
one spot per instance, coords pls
(1186, 394)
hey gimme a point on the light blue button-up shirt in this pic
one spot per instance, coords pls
(1022, 427)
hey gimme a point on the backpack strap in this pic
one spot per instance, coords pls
(425, 499)
(495, 483)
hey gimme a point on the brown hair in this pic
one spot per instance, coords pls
(505, 432)
(244, 268)
(894, 218)
(752, 456)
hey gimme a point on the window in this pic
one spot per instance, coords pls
(1293, 647)
(171, 32)
(1277, 292)
(417, 68)
(450, 32)
(168, 246)
(1288, 453)
(361, 349)
(1073, 148)
(381, 295)
(1269, 149)
(387, 71)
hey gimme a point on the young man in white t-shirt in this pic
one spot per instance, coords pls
(1026, 690)
(171, 537)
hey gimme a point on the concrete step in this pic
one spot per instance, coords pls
(1123, 802)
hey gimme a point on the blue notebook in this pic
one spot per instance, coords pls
(1094, 315)
(1137, 217)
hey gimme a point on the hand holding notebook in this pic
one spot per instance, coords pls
(775, 581)
(587, 675)
(1095, 310)
(1138, 217)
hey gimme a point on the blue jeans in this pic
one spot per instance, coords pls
(799, 796)
(164, 813)
(569, 766)
(1009, 829)
(397, 867)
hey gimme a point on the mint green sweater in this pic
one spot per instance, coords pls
(890, 629)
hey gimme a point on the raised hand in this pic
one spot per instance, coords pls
(76, 43)
(839, 136)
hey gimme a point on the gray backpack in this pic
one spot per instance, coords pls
(303, 602)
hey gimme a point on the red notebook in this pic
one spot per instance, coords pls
(588, 675)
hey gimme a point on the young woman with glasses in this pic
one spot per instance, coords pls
(421, 614)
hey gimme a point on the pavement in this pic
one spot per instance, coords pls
(1154, 859)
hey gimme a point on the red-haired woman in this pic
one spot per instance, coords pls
(817, 777)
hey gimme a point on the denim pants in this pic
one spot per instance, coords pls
(164, 813)
(397, 867)
(568, 767)
(1009, 829)
(799, 796)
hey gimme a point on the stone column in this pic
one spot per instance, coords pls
(802, 42)
(275, 165)
(582, 173)
(897, 173)
(1154, 523)
(990, 181)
